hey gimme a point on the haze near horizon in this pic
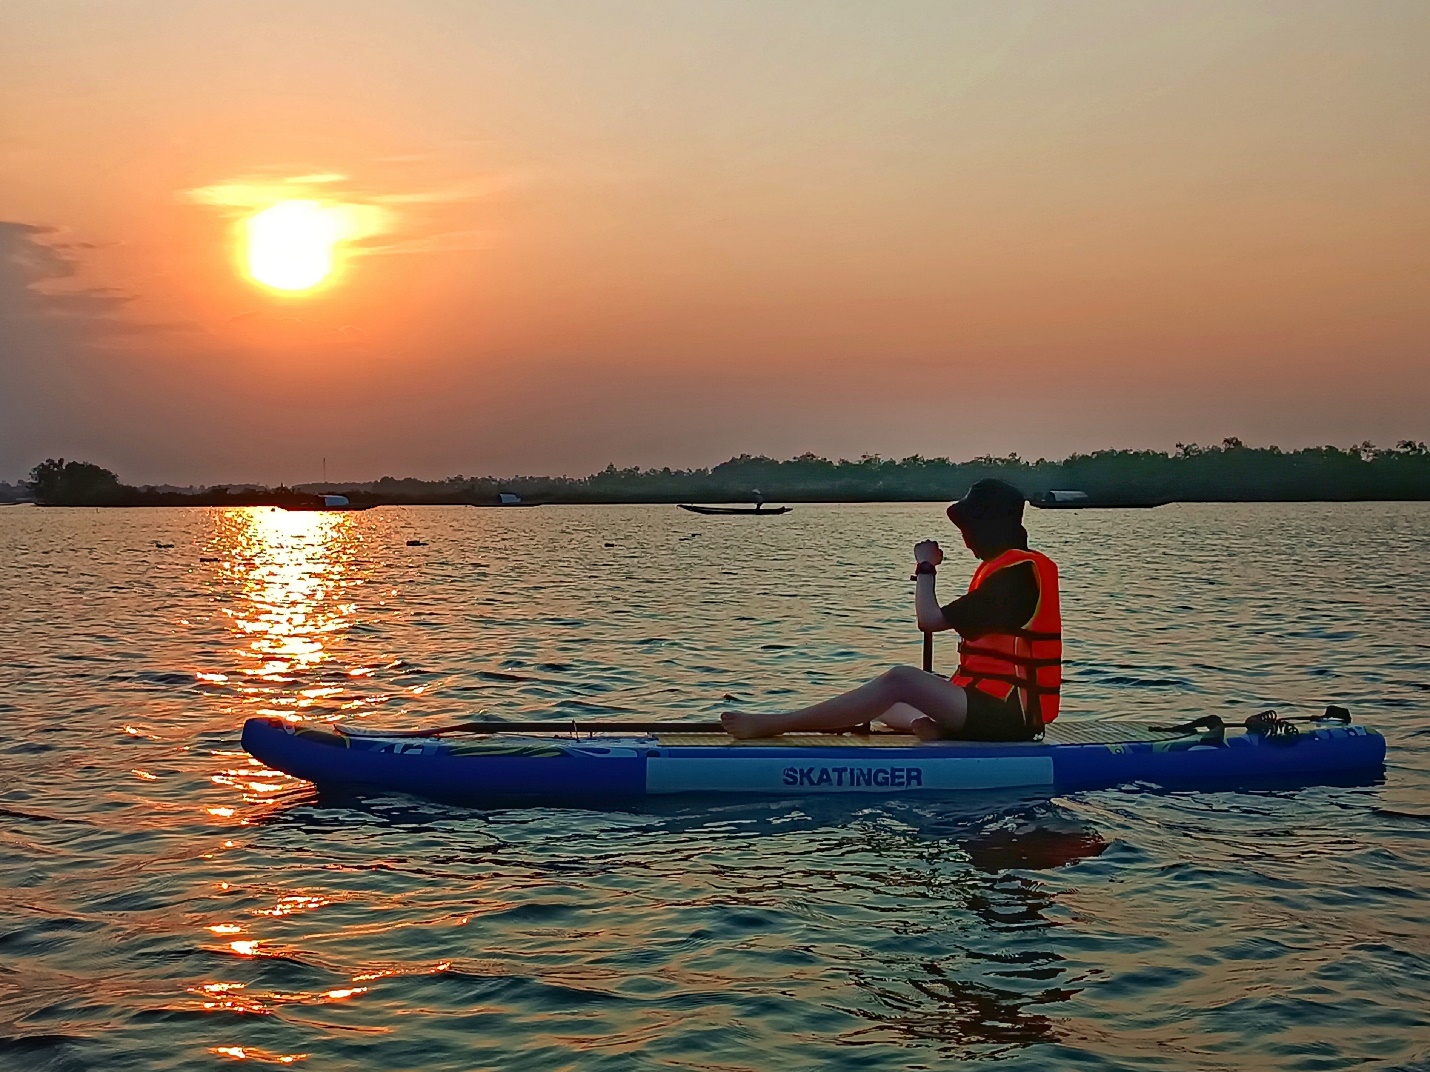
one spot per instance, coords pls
(543, 237)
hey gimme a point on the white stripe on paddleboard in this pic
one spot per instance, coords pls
(832, 775)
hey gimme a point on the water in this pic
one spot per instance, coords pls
(166, 903)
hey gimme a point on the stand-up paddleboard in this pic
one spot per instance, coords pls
(598, 767)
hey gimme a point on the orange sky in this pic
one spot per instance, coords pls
(664, 233)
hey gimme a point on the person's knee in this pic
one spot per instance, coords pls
(901, 678)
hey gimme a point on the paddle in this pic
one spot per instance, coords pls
(493, 726)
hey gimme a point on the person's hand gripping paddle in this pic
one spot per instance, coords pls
(928, 555)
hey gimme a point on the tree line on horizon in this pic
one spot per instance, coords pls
(1230, 471)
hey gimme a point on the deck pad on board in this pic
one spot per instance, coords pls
(1059, 733)
(790, 740)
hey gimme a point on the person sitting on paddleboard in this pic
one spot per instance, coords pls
(1010, 652)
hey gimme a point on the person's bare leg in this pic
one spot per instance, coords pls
(901, 716)
(943, 702)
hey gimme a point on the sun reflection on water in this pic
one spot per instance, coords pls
(293, 571)
(284, 602)
(252, 1053)
(290, 903)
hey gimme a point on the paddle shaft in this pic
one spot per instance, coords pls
(492, 726)
(928, 652)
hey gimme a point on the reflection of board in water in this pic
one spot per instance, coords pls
(1040, 848)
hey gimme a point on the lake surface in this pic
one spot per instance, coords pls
(166, 903)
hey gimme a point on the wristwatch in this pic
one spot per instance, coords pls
(924, 567)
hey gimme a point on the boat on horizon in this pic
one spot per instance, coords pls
(507, 498)
(751, 511)
(1081, 500)
(326, 502)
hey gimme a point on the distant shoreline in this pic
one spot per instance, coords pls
(1229, 472)
(204, 503)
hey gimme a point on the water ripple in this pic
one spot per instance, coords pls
(168, 903)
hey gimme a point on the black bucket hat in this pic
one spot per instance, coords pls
(988, 501)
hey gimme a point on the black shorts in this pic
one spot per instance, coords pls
(992, 719)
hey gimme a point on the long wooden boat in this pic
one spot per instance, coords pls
(743, 511)
(1098, 504)
(324, 508)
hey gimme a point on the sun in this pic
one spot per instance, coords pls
(289, 246)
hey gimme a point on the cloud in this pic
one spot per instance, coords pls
(455, 194)
(37, 276)
(39, 284)
(437, 242)
(319, 179)
(83, 373)
(260, 191)
(373, 221)
(48, 323)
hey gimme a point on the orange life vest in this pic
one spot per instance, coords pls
(1029, 659)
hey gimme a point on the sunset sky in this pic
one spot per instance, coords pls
(663, 233)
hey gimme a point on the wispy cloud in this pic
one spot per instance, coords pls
(320, 179)
(38, 276)
(474, 190)
(437, 242)
(40, 284)
(259, 191)
(375, 220)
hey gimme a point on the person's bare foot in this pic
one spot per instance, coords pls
(926, 729)
(744, 725)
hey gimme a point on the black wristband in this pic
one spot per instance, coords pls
(924, 567)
